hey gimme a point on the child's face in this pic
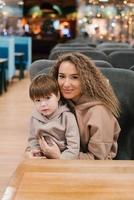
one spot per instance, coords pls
(47, 105)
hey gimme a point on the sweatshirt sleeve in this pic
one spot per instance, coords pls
(72, 138)
(103, 133)
(32, 139)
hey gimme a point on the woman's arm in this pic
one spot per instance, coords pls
(33, 150)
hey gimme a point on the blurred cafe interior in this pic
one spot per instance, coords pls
(49, 22)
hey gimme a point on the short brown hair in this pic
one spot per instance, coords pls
(43, 85)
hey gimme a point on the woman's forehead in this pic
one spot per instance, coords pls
(67, 66)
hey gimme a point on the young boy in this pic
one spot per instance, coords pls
(51, 120)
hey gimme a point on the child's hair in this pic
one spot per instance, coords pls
(42, 86)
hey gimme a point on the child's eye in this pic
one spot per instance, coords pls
(37, 100)
(48, 97)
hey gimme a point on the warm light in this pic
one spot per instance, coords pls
(125, 2)
(20, 3)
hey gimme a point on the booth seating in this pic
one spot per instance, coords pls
(132, 68)
(71, 45)
(108, 51)
(7, 52)
(91, 53)
(39, 65)
(122, 81)
(102, 63)
(45, 65)
(70, 48)
(113, 45)
(123, 84)
(19, 57)
(23, 53)
(17, 50)
(3, 82)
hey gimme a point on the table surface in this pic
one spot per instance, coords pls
(72, 180)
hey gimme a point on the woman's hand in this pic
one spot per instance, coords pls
(49, 148)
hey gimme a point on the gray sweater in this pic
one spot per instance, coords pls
(61, 127)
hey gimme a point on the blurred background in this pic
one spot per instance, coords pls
(49, 22)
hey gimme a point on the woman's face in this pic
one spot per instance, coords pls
(69, 81)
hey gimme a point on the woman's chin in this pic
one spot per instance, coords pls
(66, 96)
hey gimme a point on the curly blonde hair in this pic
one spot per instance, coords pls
(93, 83)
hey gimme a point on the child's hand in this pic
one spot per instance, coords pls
(28, 155)
(36, 153)
(49, 148)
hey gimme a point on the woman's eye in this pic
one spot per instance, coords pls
(75, 77)
(60, 76)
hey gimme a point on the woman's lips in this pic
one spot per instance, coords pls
(67, 91)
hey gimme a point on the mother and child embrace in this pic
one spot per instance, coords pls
(75, 114)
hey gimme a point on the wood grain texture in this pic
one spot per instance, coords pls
(75, 180)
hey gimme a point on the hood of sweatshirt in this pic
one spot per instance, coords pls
(85, 102)
(56, 114)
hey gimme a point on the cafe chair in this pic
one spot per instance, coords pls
(122, 59)
(108, 51)
(102, 63)
(71, 45)
(91, 53)
(113, 45)
(37, 66)
(122, 81)
(132, 68)
(70, 48)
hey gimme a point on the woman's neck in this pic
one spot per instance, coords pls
(76, 100)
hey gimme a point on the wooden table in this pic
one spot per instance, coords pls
(72, 180)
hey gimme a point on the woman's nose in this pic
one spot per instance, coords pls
(66, 82)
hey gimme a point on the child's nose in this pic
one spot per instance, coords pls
(43, 103)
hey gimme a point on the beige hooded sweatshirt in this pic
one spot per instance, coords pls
(99, 130)
(61, 127)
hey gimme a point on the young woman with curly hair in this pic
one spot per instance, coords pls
(91, 96)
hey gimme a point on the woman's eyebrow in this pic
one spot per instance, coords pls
(69, 74)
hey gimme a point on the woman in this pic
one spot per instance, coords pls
(94, 102)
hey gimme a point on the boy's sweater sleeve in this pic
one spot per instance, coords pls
(32, 139)
(72, 138)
